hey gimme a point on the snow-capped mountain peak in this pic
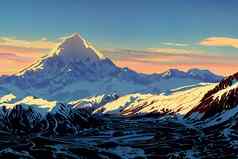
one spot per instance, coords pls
(76, 47)
(205, 75)
(71, 50)
(173, 73)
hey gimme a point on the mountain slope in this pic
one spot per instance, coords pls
(32, 114)
(178, 102)
(221, 99)
(72, 50)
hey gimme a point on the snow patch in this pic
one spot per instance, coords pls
(40, 105)
(7, 98)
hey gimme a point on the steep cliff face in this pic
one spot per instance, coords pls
(223, 97)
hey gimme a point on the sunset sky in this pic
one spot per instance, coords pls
(145, 35)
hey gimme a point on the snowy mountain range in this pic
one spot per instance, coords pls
(75, 69)
(198, 102)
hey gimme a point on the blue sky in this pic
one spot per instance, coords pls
(130, 24)
(124, 23)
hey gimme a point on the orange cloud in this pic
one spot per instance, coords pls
(33, 49)
(11, 66)
(33, 44)
(170, 50)
(220, 41)
(16, 54)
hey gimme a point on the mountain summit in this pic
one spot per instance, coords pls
(75, 47)
(71, 50)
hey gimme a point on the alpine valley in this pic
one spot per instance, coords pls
(76, 103)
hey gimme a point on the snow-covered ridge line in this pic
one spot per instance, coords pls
(180, 102)
(32, 114)
(44, 106)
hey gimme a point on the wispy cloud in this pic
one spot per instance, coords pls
(12, 63)
(161, 59)
(32, 48)
(166, 56)
(220, 41)
(16, 54)
(171, 50)
(14, 57)
(174, 44)
(33, 44)
(150, 52)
